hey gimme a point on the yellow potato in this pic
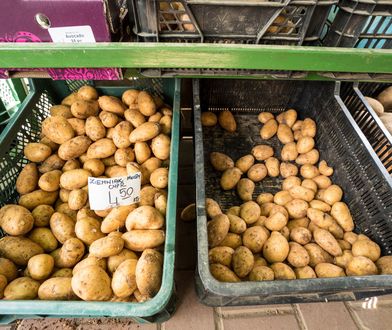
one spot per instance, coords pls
(209, 119)
(149, 272)
(285, 134)
(332, 194)
(160, 202)
(146, 103)
(322, 181)
(300, 235)
(310, 184)
(250, 212)
(130, 96)
(95, 130)
(61, 111)
(111, 104)
(264, 198)
(220, 161)
(37, 152)
(366, 248)
(166, 124)
(62, 227)
(297, 125)
(257, 172)
(276, 221)
(278, 209)
(295, 223)
(212, 207)
(308, 128)
(102, 148)
(57, 129)
(83, 109)
(344, 244)
(124, 278)
(115, 261)
(147, 194)
(27, 179)
(74, 179)
(72, 164)
(226, 121)
(16, 220)
(243, 261)
(329, 270)
(22, 288)
(269, 129)
(223, 273)
(326, 241)
(78, 125)
(263, 117)
(261, 273)
(237, 225)
(231, 240)
(189, 213)
(272, 165)
(291, 182)
(319, 218)
(64, 208)
(282, 197)
(3, 284)
(297, 208)
(287, 169)
(88, 230)
(37, 197)
(144, 217)
(160, 146)
(40, 266)
(311, 157)
(245, 188)
(121, 134)
(41, 215)
(262, 152)
(19, 249)
(144, 132)
(134, 117)
(325, 169)
(299, 192)
(304, 272)
(89, 261)
(142, 152)
(62, 272)
(45, 238)
(230, 178)
(384, 265)
(160, 178)
(92, 283)
(305, 144)
(317, 255)
(106, 246)
(50, 181)
(57, 288)
(341, 213)
(244, 163)
(109, 119)
(289, 152)
(87, 93)
(309, 171)
(360, 266)
(53, 162)
(95, 166)
(288, 117)
(343, 260)
(320, 205)
(276, 248)
(221, 255)
(282, 271)
(74, 147)
(298, 256)
(139, 240)
(217, 229)
(385, 98)
(266, 208)
(336, 230)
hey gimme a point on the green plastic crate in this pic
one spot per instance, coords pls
(23, 128)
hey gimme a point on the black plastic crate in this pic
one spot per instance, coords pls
(370, 124)
(367, 185)
(288, 22)
(361, 24)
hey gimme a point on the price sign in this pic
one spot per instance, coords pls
(72, 34)
(108, 193)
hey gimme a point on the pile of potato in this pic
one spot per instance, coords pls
(56, 247)
(382, 105)
(302, 231)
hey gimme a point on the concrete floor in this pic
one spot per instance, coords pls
(374, 313)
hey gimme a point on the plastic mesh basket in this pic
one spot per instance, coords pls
(23, 128)
(366, 184)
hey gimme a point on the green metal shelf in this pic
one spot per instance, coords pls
(214, 56)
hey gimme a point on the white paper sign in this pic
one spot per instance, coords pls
(72, 34)
(108, 193)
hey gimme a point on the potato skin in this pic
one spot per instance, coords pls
(311, 157)
(282, 271)
(250, 212)
(243, 261)
(116, 260)
(298, 256)
(223, 273)
(144, 217)
(289, 152)
(56, 288)
(111, 104)
(317, 254)
(220, 161)
(209, 119)
(285, 134)
(257, 172)
(50, 181)
(146, 103)
(17, 220)
(102, 148)
(87, 93)
(53, 162)
(329, 270)
(297, 208)
(124, 278)
(221, 255)
(19, 249)
(40, 266)
(230, 178)
(301, 235)
(261, 273)
(22, 288)
(245, 188)
(304, 272)
(45, 238)
(27, 179)
(83, 109)
(384, 265)
(262, 152)
(231, 240)
(217, 229)
(74, 179)
(308, 128)
(62, 226)
(57, 129)
(36, 152)
(109, 119)
(8, 269)
(276, 248)
(263, 117)
(92, 283)
(326, 241)
(269, 129)
(366, 248)
(106, 246)
(272, 165)
(342, 215)
(360, 266)
(74, 147)
(149, 272)
(226, 121)
(116, 218)
(144, 132)
(70, 253)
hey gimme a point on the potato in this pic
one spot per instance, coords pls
(106, 246)
(50, 181)
(86, 212)
(276, 221)
(27, 179)
(297, 134)
(298, 256)
(384, 265)
(160, 177)
(309, 184)
(62, 272)
(95, 130)
(230, 178)
(83, 109)
(385, 98)
(139, 240)
(261, 273)
(95, 166)
(285, 134)
(3, 284)
(223, 273)
(40, 266)
(243, 261)
(272, 165)
(19, 249)
(212, 207)
(366, 248)
(46, 141)
(319, 218)
(288, 117)
(78, 125)
(245, 188)
(226, 121)
(134, 117)
(326, 240)
(45, 238)
(88, 230)
(149, 272)
(285, 231)
(339, 210)
(17, 220)
(121, 134)
(74, 179)
(160, 146)
(115, 171)
(276, 248)
(144, 217)
(278, 209)
(336, 230)
(305, 144)
(231, 240)
(269, 129)
(344, 244)
(8, 270)
(308, 128)
(311, 157)
(237, 225)
(22, 288)
(87, 93)
(144, 132)
(61, 111)
(130, 96)
(360, 266)
(299, 192)
(325, 169)
(301, 222)
(72, 164)
(37, 152)
(309, 171)
(89, 261)
(53, 162)
(217, 229)
(92, 283)
(146, 103)
(57, 129)
(151, 164)
(166, 124)
(329, 270)
(58, 288)
(262, 152)
(221, 255)
(160, 202)
(264, 198)
(266, 208)
(320, 205)
(250, 212)
(147, 194)
(41, 215)
(282, 271)
(62, 227)
(189, 213)
(102, 148)
(288, 169)
(115, 261)
(142, 152)
(124, 279)
(322, 181)
(290, 182)
(282, 197)
(64, 208)
(208, 118)
(111, 104)
(304, 272)
(263, 117)
(244, 163)
(109, 119)
(317, 255)
(220, 161)
(300, 235)
(133, 168)
(289, 152)
(297, 125)
(343, 260)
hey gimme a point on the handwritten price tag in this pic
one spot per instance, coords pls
(108, 193)
(72, 34)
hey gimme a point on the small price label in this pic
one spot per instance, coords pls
(72, 34)
(107, 193)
